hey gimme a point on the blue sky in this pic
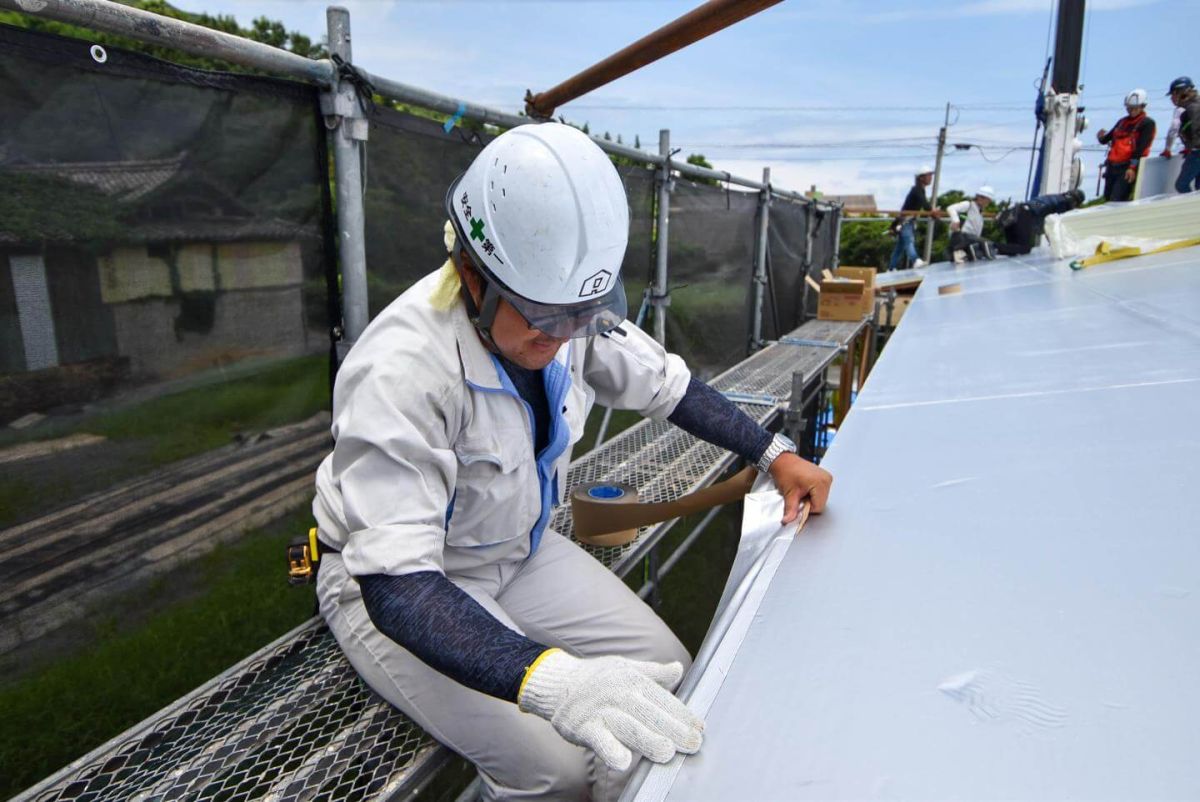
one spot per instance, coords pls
(844, 94)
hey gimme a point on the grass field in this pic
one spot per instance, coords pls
(158, 644)
(152, 433)
(153, 647)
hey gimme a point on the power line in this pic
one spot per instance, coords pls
(1025, 105)
(791, 109)
(912, 141)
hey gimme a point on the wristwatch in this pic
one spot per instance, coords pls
(777, 446)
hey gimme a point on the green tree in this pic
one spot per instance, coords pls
(698, 160)
(868, 244)
(865, 244)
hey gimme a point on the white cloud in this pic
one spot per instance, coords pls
(888, 184)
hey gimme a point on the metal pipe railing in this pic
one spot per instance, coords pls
(187, 37)
(713, 16)
(415, 96)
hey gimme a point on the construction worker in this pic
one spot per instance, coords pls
(1184, 96)
(903, 227)
(1128, 142)
(973, 208)
(1173, 134)
(1023, 224)
(967, 237)
(454, 417)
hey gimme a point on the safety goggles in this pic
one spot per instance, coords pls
(561, 321)
(574, 320)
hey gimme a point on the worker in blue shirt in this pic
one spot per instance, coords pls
(904, 226)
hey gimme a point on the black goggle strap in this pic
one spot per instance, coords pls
(483, 319)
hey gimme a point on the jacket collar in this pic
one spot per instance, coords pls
(478, 366)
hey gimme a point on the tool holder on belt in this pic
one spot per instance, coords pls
(303, 559)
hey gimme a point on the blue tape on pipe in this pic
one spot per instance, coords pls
(453, 121)
(605, 492)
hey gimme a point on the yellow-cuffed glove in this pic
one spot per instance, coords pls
(612, 705)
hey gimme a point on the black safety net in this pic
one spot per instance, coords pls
(168, 292)
(411, 162)
(787, 232)
(637, 269)
(164, 318)
(824, 235)
(710, 270)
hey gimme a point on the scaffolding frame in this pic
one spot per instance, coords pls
(349, 131)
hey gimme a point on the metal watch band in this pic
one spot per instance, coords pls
(778, 445)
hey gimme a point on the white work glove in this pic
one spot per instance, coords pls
(612, 705)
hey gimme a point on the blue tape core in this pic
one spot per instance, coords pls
(605, 491)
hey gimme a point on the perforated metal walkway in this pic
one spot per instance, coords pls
(294, 722)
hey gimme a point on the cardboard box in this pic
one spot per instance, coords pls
(848, 295)
(865, 275)
(841, 299)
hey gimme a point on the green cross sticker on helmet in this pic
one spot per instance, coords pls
(557, 223)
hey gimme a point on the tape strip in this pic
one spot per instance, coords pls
(593, 517)
(453, 121)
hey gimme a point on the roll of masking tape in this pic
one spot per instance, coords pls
(596, 496)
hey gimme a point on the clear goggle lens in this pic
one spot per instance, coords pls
(566, 321)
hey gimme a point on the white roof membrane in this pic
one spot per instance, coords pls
(1003, 598)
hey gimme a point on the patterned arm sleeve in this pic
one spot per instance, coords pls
(449, 631)
(707, 414)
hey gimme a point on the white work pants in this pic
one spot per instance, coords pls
(560, 596)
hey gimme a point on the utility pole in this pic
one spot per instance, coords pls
(937, 175)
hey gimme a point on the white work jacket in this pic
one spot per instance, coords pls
(433, 466)
(974, 224)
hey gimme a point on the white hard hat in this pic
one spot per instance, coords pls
(987, 192)
(1136, 98)
(544, 216)
(924, 169)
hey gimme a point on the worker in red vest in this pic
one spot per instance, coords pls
(1128, 141)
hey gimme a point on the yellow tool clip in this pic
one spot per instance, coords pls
(303, 556)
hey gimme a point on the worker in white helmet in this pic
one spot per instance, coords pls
(973, 208)
(966, 238)
(454, 418)
(1128, 142)
(904, 226)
